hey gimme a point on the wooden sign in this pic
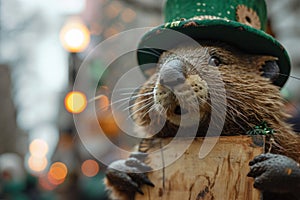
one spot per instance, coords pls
(221, 175)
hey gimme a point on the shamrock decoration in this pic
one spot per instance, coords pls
(261, 129)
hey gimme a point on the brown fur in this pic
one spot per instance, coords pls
(250, 97)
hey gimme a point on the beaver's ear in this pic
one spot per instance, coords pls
(268, 67)
(271, 70)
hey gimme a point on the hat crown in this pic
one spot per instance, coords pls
(250, 12)
(240, 23)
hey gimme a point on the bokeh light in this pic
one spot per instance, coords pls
(103, 102)
(37, 164)
(45, 183)
(38, 148)
(109, 125)
(75, 102)
(90, 168)
(57, 173)
(111, 31)
(113, 10)
(128, 15)
(75, 36)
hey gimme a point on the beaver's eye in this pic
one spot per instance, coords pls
(214, 61)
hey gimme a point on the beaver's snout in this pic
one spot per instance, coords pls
(171, 74)
(184, 101)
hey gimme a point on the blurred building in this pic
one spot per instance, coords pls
(36, 73)
(285, 23)
(9, 133)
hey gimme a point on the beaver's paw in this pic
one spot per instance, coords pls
(128, 175)
(275, 173)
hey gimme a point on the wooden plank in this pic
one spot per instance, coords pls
(222, 174)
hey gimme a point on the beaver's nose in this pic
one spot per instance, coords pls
(171, 74)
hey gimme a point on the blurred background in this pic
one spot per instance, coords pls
(42, 45)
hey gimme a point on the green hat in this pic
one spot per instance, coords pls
(241, 23)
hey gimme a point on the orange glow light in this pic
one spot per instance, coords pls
(109, 125)
(57, 173)
(54, 181)
(75, 102)
(75, 36)
(37, 164)
(38, 148)
(103, 102)
(90, 168)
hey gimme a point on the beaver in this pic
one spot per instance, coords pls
(184, 75)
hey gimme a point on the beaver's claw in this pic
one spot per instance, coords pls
(128, 175)
(275, 173)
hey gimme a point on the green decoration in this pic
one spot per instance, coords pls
(261, 129)
(241, 23)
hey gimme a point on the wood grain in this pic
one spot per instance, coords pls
(221, 175)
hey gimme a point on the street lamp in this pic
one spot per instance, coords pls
(75, 36)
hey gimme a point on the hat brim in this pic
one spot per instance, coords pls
(244, 37)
